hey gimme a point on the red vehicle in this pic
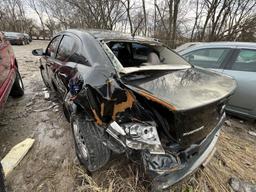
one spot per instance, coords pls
(10, 79)
(10, 82)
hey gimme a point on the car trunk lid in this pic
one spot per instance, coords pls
(196, 97)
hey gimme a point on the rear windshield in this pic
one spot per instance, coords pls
(134, 54)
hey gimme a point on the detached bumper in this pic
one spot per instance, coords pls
(204, 152)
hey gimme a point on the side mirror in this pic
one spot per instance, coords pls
(38, 52)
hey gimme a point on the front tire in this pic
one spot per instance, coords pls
(18, 86)
(91, 152)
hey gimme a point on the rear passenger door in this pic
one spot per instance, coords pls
(69, 60)
(243, 70)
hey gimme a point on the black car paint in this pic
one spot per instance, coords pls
(107, 97)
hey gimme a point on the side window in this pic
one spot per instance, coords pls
(66, 49)
(245, 61)
(69, 51)
(207, 58)
(52, 47)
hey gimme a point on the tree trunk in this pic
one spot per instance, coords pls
(145, 17)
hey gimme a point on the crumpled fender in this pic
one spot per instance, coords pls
(106, 101)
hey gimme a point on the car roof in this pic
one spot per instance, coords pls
(107, 35)
(186, 45)
(12, 33)
(220, 44)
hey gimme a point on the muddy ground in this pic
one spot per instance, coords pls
(51, 164)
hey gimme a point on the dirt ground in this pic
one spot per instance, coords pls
(51, 164)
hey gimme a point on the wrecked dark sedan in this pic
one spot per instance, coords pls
(133, 95)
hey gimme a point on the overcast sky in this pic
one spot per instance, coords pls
(149, 6)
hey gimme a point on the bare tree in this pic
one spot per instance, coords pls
(145, 17)
(198, 14)
(38, 7)
(127, 5)
(213, 20)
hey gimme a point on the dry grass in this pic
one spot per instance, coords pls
(235, 157)
(122, 176)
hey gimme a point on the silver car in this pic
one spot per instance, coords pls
(236, 59)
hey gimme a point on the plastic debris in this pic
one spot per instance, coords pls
(252, 133)
(228, 123)
(46, 95)
(240, 186)
(15, 155)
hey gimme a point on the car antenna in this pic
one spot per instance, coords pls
(133, 34)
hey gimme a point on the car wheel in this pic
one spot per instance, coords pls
(18, 87)
(2, 185)
(91, 152)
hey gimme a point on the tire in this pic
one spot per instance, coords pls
(91, 152)
(2, 185)
(18, 86)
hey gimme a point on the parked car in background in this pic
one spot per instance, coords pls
(186, 45)
(10, 79)
(134, 95)
(16, 38)
(237, 59)
(28, 38)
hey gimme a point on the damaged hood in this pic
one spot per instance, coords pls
(181, 89)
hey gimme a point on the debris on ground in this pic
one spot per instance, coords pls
(46, 95)
(45, 109)
(17, 153)
(29, 104)
(228, 123)
(56, 108)
(240, 186)
(252, 133)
